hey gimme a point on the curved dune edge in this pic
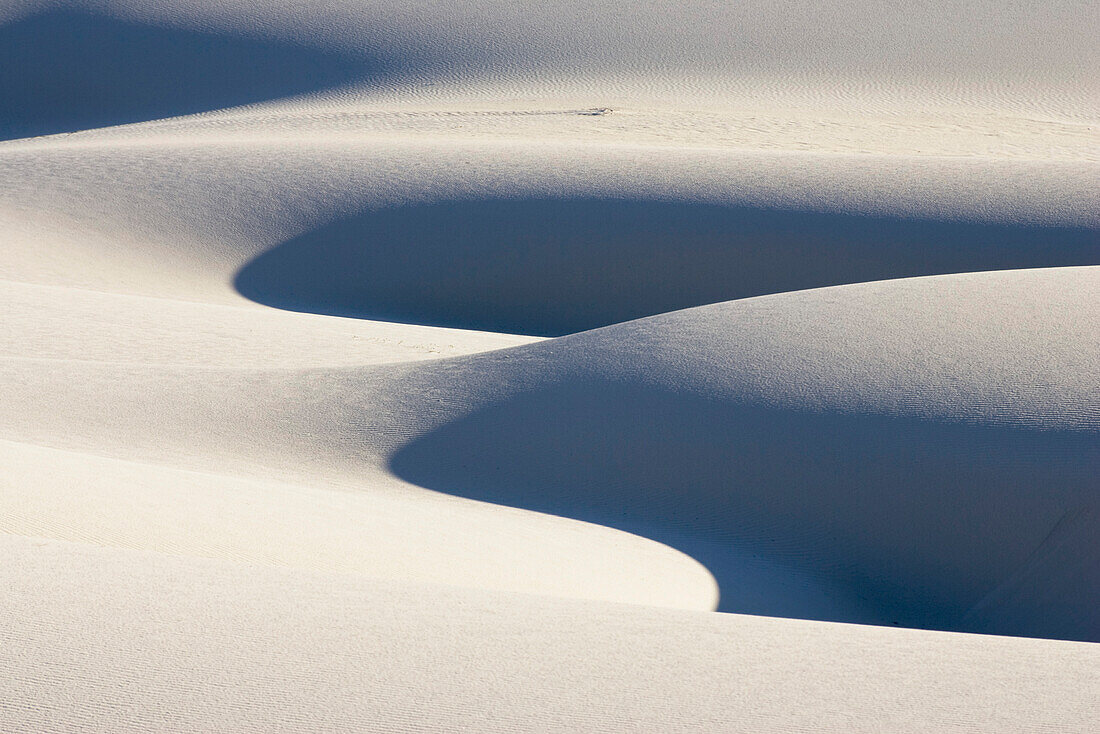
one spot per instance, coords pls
(552, 266)
(925, 439)
(781, 309)
(383, 530)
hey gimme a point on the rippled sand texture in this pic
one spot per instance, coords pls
(510, 366)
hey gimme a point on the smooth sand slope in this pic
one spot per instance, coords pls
(785, 310)
(226, 648)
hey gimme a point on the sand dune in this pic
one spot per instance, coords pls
(434, 367)
(908, 473)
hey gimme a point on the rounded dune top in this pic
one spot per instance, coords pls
(1015, 348)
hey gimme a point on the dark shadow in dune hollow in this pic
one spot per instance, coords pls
(853, 518)
(840, 517)
(555, 266)
(63, 71)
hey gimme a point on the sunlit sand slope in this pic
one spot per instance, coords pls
(254, 649)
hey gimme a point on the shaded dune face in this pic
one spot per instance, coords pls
(919, 452)
(553, 266)
(879, 519)
(63, 71)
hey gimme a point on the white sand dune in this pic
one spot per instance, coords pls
(786, 310)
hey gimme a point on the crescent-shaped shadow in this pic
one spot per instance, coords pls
(843, 517)
(553, 266)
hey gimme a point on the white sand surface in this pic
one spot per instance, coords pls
(504, 366)
(236, 648)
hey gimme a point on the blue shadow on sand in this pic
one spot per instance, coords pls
(845, 517)
(556, 266)
(851, 518)
(63, 71)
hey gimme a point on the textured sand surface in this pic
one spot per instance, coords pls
(503, 366)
